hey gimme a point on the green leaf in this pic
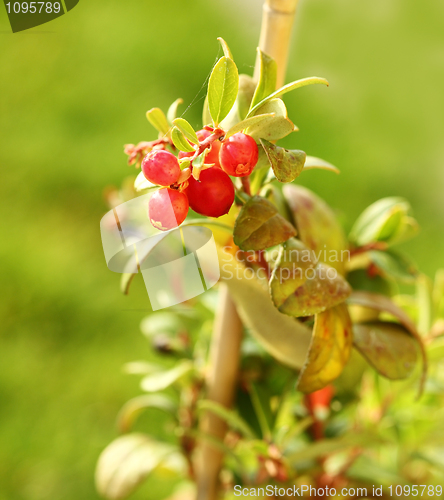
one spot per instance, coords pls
(248, 123)
(424, 299)
(329, 349)
(172, 110)
(323, 288)
(286, 164)
(222, 89)
(247, 88)
(384, 220)
(394, 265)
(127, 462)
(267, 77)
(262, 409)
(259, 226)
(384, 304)
(287, 88)
(225, 48)
(186, 129)
(290, 271)
(274, 129)
(180, 141)
(134, 407)
(388, 347)
(162, 380)
(317, 226)
(206, 116)
(229, 416)
(311, 162)
(158, 120)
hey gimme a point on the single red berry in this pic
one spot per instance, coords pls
(213, 153)
(167, 208)
(161, 167)
(213, 194)
(238, 155)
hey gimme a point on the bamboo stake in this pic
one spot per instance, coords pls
(224, 365)
(274, 40)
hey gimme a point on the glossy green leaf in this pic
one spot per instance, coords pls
(317, 226)
(127, 462)
(222, 89)
(231, 417)
(323, 288)
(158, 120)
(329, 349)
(394, 265)
(287, 88)
(134, 407)
(384, 304)
(385, 220)
(287, 164)
(311, 162)
(186, 129)
(172, 110)
(388, 347)
(259, 226)
(290, 270)
(274, 129)
(282, 336)
(162, 380)
(225, 48)
(254, 120)
(180, 141)
(267, 77)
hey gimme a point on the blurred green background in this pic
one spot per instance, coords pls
(73, 91)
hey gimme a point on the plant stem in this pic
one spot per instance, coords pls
(277, 24)
(221, 382)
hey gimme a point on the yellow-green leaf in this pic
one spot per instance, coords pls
(248, 123)
(329, 349)
(277, 128)
(311, 162)
(222, 89)
(180, 141)
(158, 120)
(290, 271)
(172, 110)
(323, 288)
(388, 347)
(186, 129)
(394, 265)
(317, 226)
(267, 77)
(287, 164)
(225, 48)
(287, 88)
(259, 226)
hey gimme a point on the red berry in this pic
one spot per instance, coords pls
(213, 194)
(213, 153)
(238, 155)
(161, 167)
(167, 208)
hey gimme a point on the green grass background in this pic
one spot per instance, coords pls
(73, 91)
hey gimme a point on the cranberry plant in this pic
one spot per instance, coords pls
(318, 310)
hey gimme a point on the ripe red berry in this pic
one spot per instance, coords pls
(213, 153)
(213, 194)
(161, 167)
(167, 208)
(238, 155)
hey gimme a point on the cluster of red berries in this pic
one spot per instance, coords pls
(212, 194)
